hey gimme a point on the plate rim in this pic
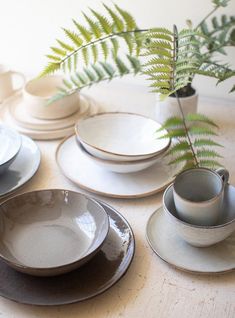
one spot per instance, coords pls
(73, 301)
(6, 194)
(181, 268)
(116, 196)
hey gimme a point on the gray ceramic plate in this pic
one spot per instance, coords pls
(165, 242)
(22, 169)
(98, 275)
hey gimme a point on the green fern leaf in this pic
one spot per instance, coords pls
(208, 153)
(58, 51)
(160, 44)
(174, 134)
(161, 61)
(161, 84)
(103, 21)
(105, 49)
(65, 46)
(158, 69)
(94, 52)
(67, 84)
(82, 78)
(154, 35)
(129, 20)
(196, 130)
(162, 30)
(135, 64)
(95, 29)
(157, 52)
(179, 147)
(85, 55)
(91, 76)
(50, 69)
(205, 142)
(99, 73)
(129, 41)
(200, 118)
(122, 68)
(84, 32)
(108, 69)
(185, 157)
(73, 37)
(171, 122)
(209, 163)
(118, 24)
(53, 57)
(75, 61)
(115, 47)
(69, 64)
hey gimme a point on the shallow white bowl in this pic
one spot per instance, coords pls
(122, 166)
(10, 143)
(201, 236)
(121, 136)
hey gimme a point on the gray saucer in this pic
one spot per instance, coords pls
(165, 242)
(103, 271)
(22, 169)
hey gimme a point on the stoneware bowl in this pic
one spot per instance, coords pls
(51, 232)
(10, 143)
(38, 92)
(122, 166)
(121, 136)
(201, 236)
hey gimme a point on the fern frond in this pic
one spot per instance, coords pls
(65, 46)
(176, 133)
(210, 163)
(128, 18)
(50, 69)
(118, 23)
(200, 118)
(86, 34)
(207, 153)
(197, 130)
(94, 27)
(58, 51)
(73, 37)
(205, 142)
(179, 147)
(103, 21)
(185, 157)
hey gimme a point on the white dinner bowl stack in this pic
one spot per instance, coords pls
(121, 142)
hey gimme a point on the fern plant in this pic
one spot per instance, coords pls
(169, 58)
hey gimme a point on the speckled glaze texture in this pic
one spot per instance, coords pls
(51, 232)
(98, 275)
(203, 235)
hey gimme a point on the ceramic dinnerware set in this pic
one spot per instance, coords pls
(31, 114)
(196, 223)
(117, 155)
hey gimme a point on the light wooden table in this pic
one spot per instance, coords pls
(151, 288)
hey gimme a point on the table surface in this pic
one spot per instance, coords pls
(151, 288)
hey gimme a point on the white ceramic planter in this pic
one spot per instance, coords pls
(169, 107)
(37, 93)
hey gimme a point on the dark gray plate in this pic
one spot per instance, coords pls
(102, 272)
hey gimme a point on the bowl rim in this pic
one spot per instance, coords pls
(91, 252)
(117, 162)
(208, 227)
(113, 153)
(19, 140)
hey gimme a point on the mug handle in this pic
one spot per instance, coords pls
(23, 79)
(224, 174)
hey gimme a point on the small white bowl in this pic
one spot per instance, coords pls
(122, 166)
(38, 92)
(121, 136)
(10, 143)
(202, 236)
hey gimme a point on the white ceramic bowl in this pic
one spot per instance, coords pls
(202, 236)
(51, 232)
(122, 166)
(121, 136)
(38, 92)
(10, 143)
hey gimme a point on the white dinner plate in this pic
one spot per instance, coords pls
(93, 108)
(163, 239)
(22, 169)
(87, 175)
(22, 117)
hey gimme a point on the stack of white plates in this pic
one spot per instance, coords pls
(16, 116)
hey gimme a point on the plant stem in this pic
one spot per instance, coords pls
(206, 17)
(175, 55)
(187, 132)
(101, 40)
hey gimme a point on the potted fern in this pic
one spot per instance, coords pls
(169, 58)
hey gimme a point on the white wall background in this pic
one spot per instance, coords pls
(28, 28)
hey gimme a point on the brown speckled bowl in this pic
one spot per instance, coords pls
(51, 232)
